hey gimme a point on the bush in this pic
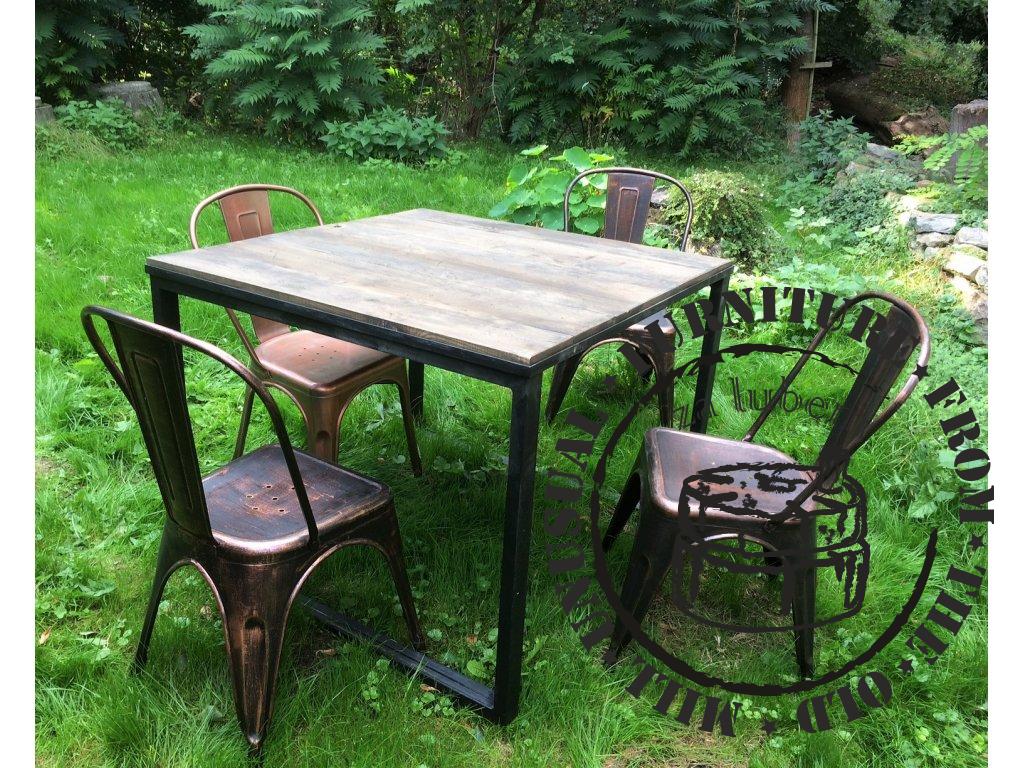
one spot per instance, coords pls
(388, 134)
(731, 212)
(859, 202)
(970, 149)
(930, 70)
(112, 122)
(827, 145)
(55, 142)
(75, 40)
(289, 65)
(535, 190)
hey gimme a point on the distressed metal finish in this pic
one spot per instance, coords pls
(625, 215)
(257, 528)
(669, 457)
(322, 375)
(469, 295)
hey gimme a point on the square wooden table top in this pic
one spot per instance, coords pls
(517, 293)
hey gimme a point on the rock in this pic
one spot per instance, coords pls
(882, 153)
(933, 253)
(971, 250)
(853, 169)
(934, 239)
(659, 197)
(44, 112)
(137, 94)
(975, 236)
(976, 303)
(981, 276)
(926, 123)
(871, 107)
(944, 223)
(963, 264)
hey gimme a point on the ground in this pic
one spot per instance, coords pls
(99, 215)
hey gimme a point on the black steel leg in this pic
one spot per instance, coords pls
(709, 347)
(522, 460)
(416, 387)
(165, 306)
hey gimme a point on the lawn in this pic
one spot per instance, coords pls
(99, 215)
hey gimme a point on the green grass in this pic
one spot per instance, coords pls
(99, 215)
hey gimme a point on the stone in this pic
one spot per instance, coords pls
(981, 276)
(659, 197)
(44, 112)
(934, 239)
(975, 301)
(137, 94)
(926, 123)
(854, 168)
(975, 236)
(931, 252)
(960, 263)
(971, 250)
(882, 152)
(944, 223)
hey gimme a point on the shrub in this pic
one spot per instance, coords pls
(930, 70)
(112, 122)
(859, 202)
(971, 152)
(535, 190)
(388, 134)
(74, 43)
(290, 65)
(731, 212)
(55, 142)
(676, 74)
(826, 145)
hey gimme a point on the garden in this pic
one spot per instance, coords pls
(490, 110)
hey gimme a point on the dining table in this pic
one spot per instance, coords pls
(493, 300)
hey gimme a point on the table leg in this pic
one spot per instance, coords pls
(709, 347)
(416, 387)
(522, 461)
(165, 306)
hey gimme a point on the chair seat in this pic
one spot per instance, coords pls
(674, 456)
(315, 363)
(254, 510)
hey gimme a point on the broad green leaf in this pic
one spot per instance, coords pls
(534, 151)
(475, 668)
(520, 173)
(579, 158)
(552, 218)
(588, 224)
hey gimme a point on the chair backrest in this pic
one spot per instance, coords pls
(891, 340)
(246, 212)
(628, 203)
(151, 375)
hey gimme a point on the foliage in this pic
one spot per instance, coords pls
(75, 40)
(827, 145)
(535, 190)
(456, 47)
(731, 212)
(389, 134)
(859, 201)
(970, 150)
(930, 70)
(55, 142)
(112, 122)
(290, 65)
(675, 74)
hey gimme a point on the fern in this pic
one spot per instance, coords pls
(290, 65)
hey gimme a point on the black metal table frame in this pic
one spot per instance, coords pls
(501, 703)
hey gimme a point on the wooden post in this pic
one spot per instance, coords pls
(797, 87)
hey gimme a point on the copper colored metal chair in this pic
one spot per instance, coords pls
(256, 528)
(321, 374)
(626, 212)
(706, 474)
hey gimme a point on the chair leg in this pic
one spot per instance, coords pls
(805, 587)
(323, 425)
(409, 420)
(650, 559)
(243, 427)
(664, 364)
(628, 500)
(561, 378)
(255, 599)
(165, 562)
(391, 542)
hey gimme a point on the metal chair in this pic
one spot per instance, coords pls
(697, 487)
(626, 212)
(256, 528)
(321, 374)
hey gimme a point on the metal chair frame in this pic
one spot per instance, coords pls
(626, 212)
(254, 580)
(858, 419)
(322, 413)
